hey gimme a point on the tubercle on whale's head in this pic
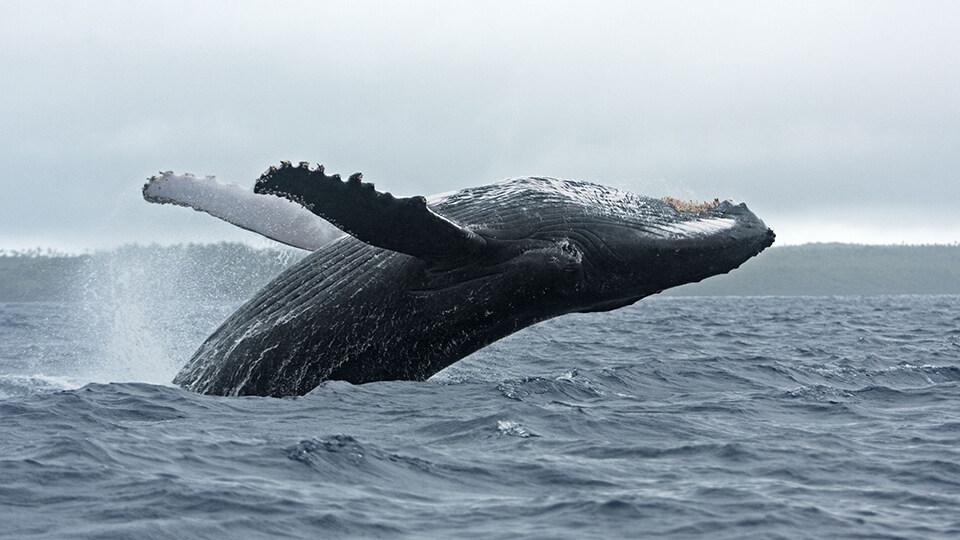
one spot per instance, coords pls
(677, 244)
(691, 206)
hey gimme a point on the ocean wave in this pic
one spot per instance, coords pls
(663, 419)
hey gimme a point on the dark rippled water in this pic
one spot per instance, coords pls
(676, 417)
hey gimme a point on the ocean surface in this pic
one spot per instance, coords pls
(678, 417)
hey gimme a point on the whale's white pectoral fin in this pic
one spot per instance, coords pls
(275, 218)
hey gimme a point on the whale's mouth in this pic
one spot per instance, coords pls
(769, 238)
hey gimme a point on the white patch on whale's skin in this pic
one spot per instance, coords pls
(699, 227)
(276, 218)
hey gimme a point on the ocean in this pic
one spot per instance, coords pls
(677, 417)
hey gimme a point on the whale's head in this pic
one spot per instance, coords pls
(664, 243)
(615, 247)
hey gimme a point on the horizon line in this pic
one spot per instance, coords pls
(39, 251)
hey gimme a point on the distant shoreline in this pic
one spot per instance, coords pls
(839, 269)
(234, 271)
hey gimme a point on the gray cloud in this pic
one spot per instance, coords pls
(831, 120)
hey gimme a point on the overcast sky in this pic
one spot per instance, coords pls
(834, 121)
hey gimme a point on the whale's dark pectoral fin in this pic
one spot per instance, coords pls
(405, 225)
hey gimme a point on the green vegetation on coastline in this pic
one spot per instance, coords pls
(223, 271)
(233, 271)
(839, 269)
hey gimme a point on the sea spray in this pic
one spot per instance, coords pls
(130, 314)
(146, 309)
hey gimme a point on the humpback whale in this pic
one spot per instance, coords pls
(416, 284)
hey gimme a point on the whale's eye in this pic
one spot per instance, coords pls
(570, 257)
(570, 249)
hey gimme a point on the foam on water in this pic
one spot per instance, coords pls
(38, 383)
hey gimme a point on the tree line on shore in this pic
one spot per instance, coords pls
(234, 271)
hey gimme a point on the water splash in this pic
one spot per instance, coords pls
(129, 313)
(146, 309)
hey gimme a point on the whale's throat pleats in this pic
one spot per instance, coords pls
(405, 225)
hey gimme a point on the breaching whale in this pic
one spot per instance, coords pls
(417, 284)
